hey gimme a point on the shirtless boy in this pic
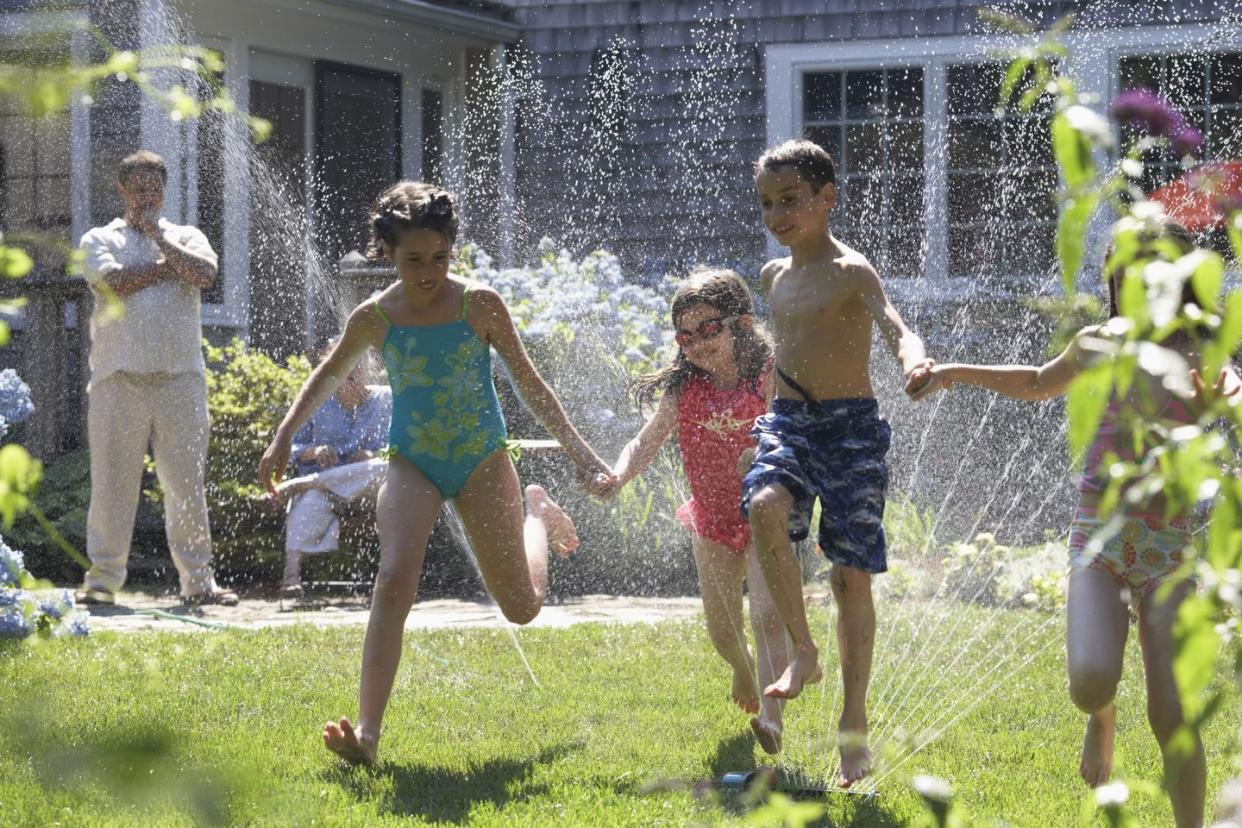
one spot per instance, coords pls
(823, 437)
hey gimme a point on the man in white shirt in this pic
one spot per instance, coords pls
(148, 385)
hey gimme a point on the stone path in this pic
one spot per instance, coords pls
(147, 611)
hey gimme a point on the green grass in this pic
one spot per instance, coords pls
(179, 728)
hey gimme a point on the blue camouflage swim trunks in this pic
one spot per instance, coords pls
(833, 450)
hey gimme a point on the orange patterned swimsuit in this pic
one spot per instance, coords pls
(1148, 547)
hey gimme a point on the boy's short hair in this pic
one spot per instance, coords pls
(141, 161)
(806, 157)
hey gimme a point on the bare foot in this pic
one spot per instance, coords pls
(768, 734)
(350, 745)
(562, 537)
(745, 691)
(855, 756)
(803, 669)
(1097, 747)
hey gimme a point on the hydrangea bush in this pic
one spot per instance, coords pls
(26, 608)
(15, 403)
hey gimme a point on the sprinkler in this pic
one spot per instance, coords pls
(740, 781)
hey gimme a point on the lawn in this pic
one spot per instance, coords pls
(193, 728)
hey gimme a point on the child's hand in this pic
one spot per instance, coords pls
(1225, 386)
(918, 377)
(745, 460)
(596, 478)
(928, 380)
(606, 486)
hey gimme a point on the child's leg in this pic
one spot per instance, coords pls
(856, 639)
(512, 551)
(1097, 622)
(769, 524)
(771, 654)
(721, 571)
(405, 514)
(1186, 784)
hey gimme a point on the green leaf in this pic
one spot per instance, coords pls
(1087, 399)
(1012, 78)
(19, 477)
(1071, 237)
(1197, 646)
(1207, 278)
(1073, 152)
(1228, 338)
(14, 262)
(1224, 550)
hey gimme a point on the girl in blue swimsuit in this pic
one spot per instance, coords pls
(435, 332)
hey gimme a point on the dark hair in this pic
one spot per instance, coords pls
(1170, 230)
(727, 292)
(141, 161)
(410, 205)
(806, 157)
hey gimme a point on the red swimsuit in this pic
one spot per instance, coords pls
(713, 430)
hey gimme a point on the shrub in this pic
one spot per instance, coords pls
(972, 571)
(28, 606)
(63, 496)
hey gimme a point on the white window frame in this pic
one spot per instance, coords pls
(1095, 71)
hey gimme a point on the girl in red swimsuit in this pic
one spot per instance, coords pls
(719, 382)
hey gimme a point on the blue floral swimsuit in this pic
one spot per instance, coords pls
(445, 414)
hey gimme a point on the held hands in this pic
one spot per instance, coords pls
(746, 460)
(597, 479)
(925, 379)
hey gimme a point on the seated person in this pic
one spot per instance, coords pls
(335, 458)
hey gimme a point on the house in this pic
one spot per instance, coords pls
(624, 125)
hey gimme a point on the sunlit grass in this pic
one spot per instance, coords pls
(185, 728)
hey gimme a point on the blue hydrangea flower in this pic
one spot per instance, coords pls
(12, 565)
(13, 623)
(15, 402)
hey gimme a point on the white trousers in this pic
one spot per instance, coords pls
(312, 526)
(127, 414)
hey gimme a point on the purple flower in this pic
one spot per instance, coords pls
(1146, 109)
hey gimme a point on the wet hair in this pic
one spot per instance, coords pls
(141, 161)
(410, 205)
(1169, 230)
(727, 292)
(805, 157)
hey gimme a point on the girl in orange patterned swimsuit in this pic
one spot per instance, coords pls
(719, 382)
(1114, 561)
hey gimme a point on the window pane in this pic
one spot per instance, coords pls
(905, 200)
(17, 138)
(1031, 249)
(905, 253)
(865, 200)
(905, 93)
(52, 135)
(1226, 139)
(972, 253)
(1186, 82)
(1030, 196)
(972, 198)
(974, 144)
(52, 196)
(1227, 79)
(1140, 73)
(864, 147)
(864, 94)
(905, 146)
(1029, 142)
(821, 96)
(867, 240)
(830, 139)
(18, 202)
(973, 88)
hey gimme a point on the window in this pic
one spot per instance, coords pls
(34, 163)
(204, 178)
(871, 123)
(1002, 180)
(432, 106)
(1206, 89)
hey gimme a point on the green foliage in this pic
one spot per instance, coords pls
(63, 497)
(908, 528)
(19, 478)
(248, 394)
(1047, 593)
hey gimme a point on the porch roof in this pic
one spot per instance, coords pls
(485, 20)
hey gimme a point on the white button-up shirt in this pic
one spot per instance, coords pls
(160, 331)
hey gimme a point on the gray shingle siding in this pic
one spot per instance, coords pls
(674, 129)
